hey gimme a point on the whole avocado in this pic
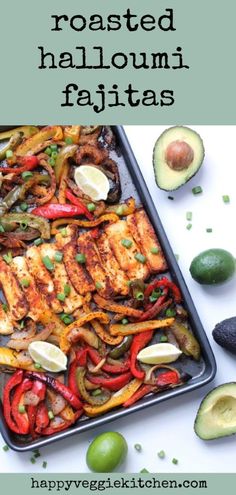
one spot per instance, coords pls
(224, 334)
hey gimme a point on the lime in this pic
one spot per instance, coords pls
(159, 353)
(92, 181)
(49, 356)
(106, 452)
(213, 266)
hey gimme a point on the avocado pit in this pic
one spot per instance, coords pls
(179, 155)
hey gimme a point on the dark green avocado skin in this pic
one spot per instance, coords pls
(224, 334)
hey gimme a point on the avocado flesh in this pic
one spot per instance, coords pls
(167, 178)
(216, 416)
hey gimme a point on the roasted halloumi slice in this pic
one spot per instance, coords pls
(16, 300)
(6, 324)
(78, 275)
(116, 233)
(37, 305)
(117, 277)
(62, 238)
(144, 235)
(61, 280)
(42, 278)
(87, 246)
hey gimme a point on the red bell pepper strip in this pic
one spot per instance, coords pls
(72, 379)
(81, 357)
(62, 426)
(15, 380)
(42, 418)
(56, 210)
(77, 202)
(21, 419)
(139, 342)
(141, 392)
(166, 283)
(119, 367)
(111, 383)
(38, 389)
(160, 305)
(167, 378)
(59, 387)
(26, 162)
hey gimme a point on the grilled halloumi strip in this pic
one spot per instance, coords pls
(144, 234)
(36, 304)
(117, 277)
(62, 239)
(116, 232)
(61, 279)
(17, 303)
(93, 264)
(78, 275)
(42, 278)
(6, 325)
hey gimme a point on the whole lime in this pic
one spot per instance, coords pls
(213, 266)
(106, 452)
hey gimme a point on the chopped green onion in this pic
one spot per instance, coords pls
(197, 190)
(163, 338)
(26, 175)
(120, 211)
(48, 151)
(54, 155)
(126, 243)
(138, 447)
(24, 206)
(47, 263)
(7, 258)
(44, 465)
(154, 295)
(64, 232)
(5, 448)
(154, 250)
(91, 207)
(139, 295)
(5, 307)
(9, 153)
(96, 392)
(37, 366)
(98, 285)
(141, 258)
(36, 454)
(209, 230)
(61, 297)
(58, 256)
(33, 460)
(21, 409)
(38, 241)
(189, 216)
(52, 162)
(67, 319)
(24, 225)
(50, 415)
(189, 226)
(69, 140)
(80, 258)
(144, 470)
(161, 454)
(171, 198)
(170, 312)
(53, 147)
(226, 198)
(175, 461)
(124, 321)
(25, 282)
(22, 324)
(67, 289)
(2, 228)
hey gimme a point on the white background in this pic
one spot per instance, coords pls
(169, 426)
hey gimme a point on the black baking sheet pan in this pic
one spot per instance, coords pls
(202, 372)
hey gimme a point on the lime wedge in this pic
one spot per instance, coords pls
(49, 356)
(159, 354)
(92, 181)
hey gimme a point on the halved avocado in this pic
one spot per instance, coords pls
(216, 416)
(177, 156)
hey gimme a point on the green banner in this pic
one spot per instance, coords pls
(118, 62)
(209, 484)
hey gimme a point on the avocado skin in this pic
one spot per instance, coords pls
(204, 425)
(224, 334)
(213, 266)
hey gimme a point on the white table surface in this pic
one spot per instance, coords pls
(169, 426)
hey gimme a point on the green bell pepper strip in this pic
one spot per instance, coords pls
(65, 153)
(14, 141)
(26, 130)
(122, 348)
(92, 400)
(33, 221)
(19, 192)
